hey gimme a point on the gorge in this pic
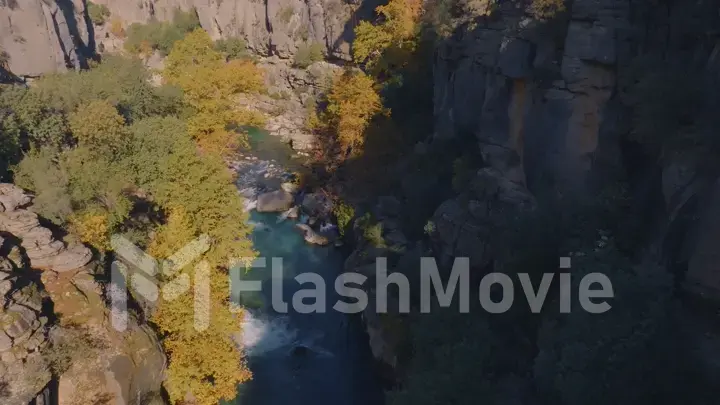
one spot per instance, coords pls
(512, 133)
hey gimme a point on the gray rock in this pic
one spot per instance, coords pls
(274, 201)
(317, 205)
(42, 37)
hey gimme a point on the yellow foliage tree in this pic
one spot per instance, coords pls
(209, 84)
(390, 43)
(352, 103)
(92, 227)
(204, 365)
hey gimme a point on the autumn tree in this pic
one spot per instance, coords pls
(209, 85)
(351, 104)
(127, 150)
(389, 43)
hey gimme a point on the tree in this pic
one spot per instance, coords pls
(209, 84)
(99, 126)
(129, 153)
(352, 104)
(388, 45)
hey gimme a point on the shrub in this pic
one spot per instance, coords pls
(429, 228)
(344, 214)
(372, 231)
(161, 36)
(98, 13)
(307, 54)
(232, 48)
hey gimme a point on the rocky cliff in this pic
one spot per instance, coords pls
(560, 106)
(56, 342)
(273, 27)
(45, 36)
(38, 36)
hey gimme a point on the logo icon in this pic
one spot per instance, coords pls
(140, 272)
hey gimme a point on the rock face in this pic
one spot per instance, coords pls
(40, 37)
(103, 364)
(548, 102)
(291, 92)
(23, 334)
(532, 93)
(273, 27)
(41, 248)
(464, 226)
(274, 201)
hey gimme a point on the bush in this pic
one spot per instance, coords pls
(232, 48)
(307, 54)
(372, 231)
(98, 13)
(344, 214)
(117, 28)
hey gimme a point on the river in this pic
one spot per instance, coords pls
(301, 359)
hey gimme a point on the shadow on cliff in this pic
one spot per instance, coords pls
(81, 53)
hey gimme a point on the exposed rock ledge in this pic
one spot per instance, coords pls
(41, 248)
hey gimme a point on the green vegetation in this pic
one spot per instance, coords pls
(209, 85)
(352, 103)
(344, 215)
(232, 48)
(105, 152)
(98, 13)
(160, 36)
(372, 231)
(388, 45)
(307, 54)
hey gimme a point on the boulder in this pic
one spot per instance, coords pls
(274, 201)
(311, 236)
(317, 205)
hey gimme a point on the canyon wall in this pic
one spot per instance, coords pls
(556, 108)
(46, 36)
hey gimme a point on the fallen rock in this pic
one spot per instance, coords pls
(274, 201)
